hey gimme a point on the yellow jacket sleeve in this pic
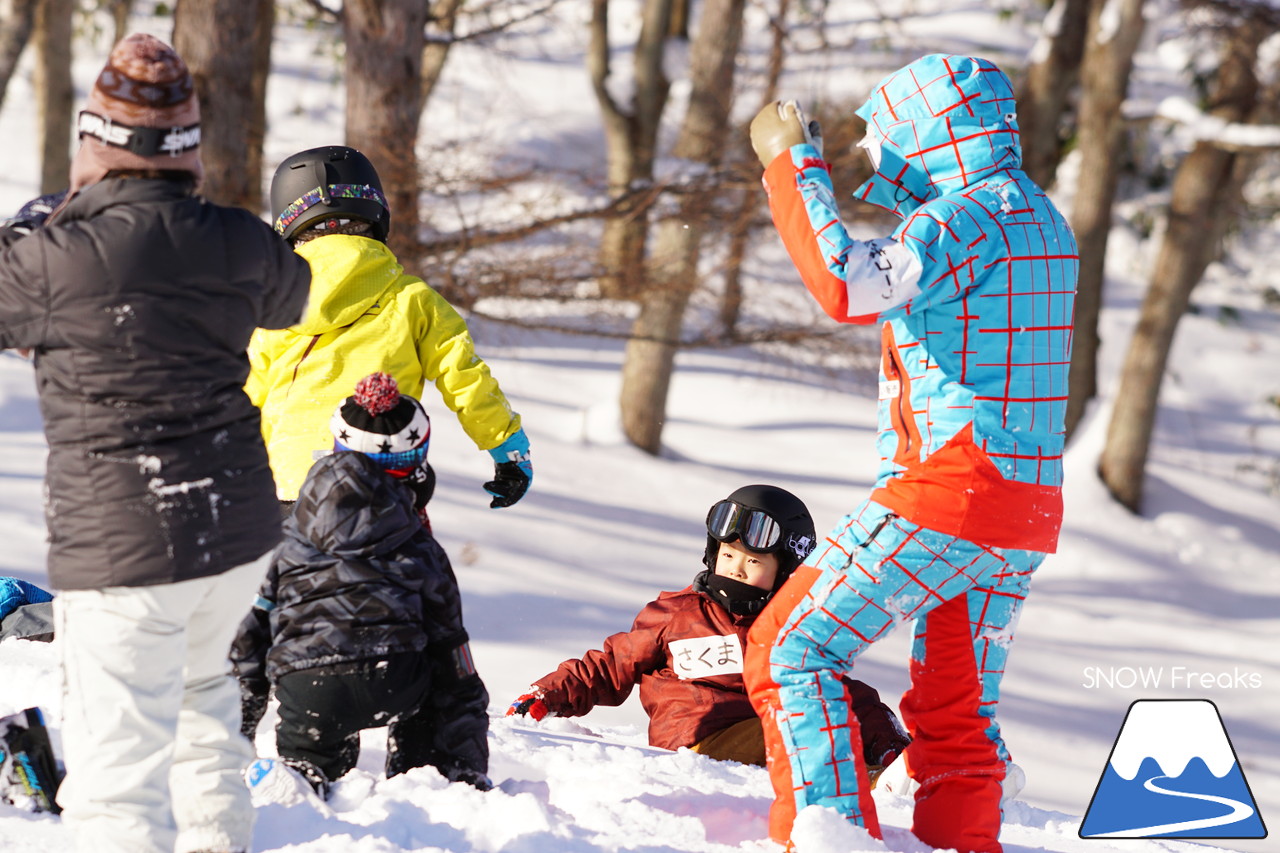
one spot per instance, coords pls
(448, 357)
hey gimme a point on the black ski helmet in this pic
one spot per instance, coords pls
(333, 180)
(797, 536)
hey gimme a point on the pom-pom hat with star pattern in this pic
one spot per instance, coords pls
(377, 420)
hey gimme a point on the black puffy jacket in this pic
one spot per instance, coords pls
(138, 299)
(357, 577)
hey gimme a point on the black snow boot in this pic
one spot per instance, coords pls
(462, 773)
(314, 775)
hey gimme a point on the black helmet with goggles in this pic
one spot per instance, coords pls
(765, 520)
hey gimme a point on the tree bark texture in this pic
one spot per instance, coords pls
(384, 41)
(1205, 193)
(1043, 95)
(119, 10)
(631, 139)
(15, 32)
(220, 40)
(673, 270)
(264, 28)
(54, 92)
(679, 26)
(1108, 61)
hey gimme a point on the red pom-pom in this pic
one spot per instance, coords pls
(377, 393)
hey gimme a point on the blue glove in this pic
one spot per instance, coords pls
(35, 212)
(15, 593)
(512, 471)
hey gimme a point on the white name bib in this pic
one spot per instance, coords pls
(703, 656)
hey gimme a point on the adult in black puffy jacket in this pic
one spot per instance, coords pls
(359, 621)
(136, 299)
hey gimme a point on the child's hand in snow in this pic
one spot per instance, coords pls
(530, 705)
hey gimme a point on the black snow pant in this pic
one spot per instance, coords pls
(435, 708)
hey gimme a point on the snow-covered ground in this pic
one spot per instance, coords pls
(1180, 603)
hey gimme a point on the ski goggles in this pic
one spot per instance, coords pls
(325, 194)
(756, 529)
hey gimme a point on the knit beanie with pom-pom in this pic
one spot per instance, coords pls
(377, 420)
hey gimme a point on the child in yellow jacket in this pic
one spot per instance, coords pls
(365, 315)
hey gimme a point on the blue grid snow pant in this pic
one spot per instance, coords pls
(876, 572)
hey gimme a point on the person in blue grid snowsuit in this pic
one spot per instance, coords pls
(974, 294)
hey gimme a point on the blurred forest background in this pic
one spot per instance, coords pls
(657, 240)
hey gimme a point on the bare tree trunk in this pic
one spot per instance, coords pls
(1205, 194)
(385, 40)
(679, 27)
(219, 40)
(54, 91)
(120, 11)
(15, 32)
(1042, 98)
(444, 16)
(739, 240)
(263, 36)
(1108, 60)
(673, 271)
(631, 138)
(740, 233)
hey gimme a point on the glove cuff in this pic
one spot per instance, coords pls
(514, 449)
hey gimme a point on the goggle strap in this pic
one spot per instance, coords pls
(142, 141)
(325, 194)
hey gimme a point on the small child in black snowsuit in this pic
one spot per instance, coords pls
(359, 621)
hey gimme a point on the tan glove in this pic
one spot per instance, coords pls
(778, 126)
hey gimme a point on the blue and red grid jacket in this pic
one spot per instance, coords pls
(975, 290)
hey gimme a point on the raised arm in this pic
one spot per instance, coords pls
(855, 281)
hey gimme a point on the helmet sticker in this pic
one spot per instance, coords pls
(310, 199)
(800, 545)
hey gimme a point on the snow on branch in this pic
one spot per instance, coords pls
(1231, 136)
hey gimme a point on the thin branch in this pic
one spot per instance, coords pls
(775, 334)
(634, 200)
(323, 10)
(466, 239)
(494, 29)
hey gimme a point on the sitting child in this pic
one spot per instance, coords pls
(359, 621)
(685, 649)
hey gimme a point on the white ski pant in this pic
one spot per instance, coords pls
(151, 715)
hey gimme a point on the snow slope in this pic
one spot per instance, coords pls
(1182, 602)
